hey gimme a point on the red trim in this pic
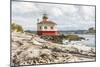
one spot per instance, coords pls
(51, 33)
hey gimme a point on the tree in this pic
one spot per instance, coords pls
(91, 30)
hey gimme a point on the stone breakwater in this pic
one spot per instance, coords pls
(30, 49)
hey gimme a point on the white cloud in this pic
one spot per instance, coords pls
(66, 16)
(24, 6)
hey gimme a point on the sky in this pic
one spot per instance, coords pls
(67, 17)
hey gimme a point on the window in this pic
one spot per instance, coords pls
(51, 27)
(40, 27)
(45, 27)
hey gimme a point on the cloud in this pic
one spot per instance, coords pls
(68, 17)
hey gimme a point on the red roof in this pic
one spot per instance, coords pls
(47, 22)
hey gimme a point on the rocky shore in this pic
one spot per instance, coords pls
(30, 49)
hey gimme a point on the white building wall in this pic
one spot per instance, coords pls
(48, 27)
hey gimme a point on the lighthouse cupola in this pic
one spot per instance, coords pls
(45, 18)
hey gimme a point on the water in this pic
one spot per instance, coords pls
(91, 41)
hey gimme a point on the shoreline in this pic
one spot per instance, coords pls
(31, 49)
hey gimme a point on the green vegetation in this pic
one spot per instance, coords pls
(72, 37)
(58, 39)
(55, 39)
(16, 28)
(91, 30)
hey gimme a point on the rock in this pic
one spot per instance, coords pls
(45, 51)
(31, 49)
(36, 42)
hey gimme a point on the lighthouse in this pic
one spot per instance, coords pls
(46, 27)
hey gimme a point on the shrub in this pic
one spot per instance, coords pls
(72, 37)
(58, 39)
(16, 28)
